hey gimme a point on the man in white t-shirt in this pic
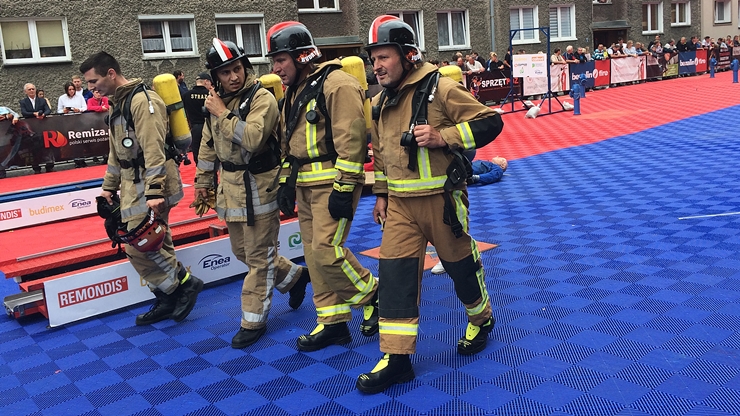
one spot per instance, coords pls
(473, 66)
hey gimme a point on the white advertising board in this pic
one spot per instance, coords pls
(43, 209)
(559, 81)
(529, 65)
(108, 288)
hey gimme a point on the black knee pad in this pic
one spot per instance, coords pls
(463, 276)
(398, 288)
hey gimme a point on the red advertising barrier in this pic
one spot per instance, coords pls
(602, 74)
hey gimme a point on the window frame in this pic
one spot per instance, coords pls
(466, 20)
(166, 18)
(572, 8)
(659, 10)
(245, 19)
(317, 9)
(688, 13)
(419, 20)
(36, 57)
(728, 12)
(536, 23)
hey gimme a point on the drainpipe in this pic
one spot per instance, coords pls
(493, 32)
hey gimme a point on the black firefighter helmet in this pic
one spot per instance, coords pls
(222, 53)
(293, 38)
(390, 30)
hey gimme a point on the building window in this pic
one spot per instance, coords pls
(652, 17)
(30, 41)
(452, 30)
(164, 36)
(681, 13)
(413, 19)
(562, 22)
(722, 11)
(524, 18)
(247, 31)
(317, 5)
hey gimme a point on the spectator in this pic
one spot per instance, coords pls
(479, 59)
(71, 102)
(694, 44)
(600, 53)
(473, 66)
(736, 40)
(493, 64)
(570, 56)
(507, 58)
(194, 100)
(557, 58)
(705, 43)
(670, 46)
(587, 54)
(7, 114)
(639, 49)
(652, 42)
(180, 77)
(621, 43)
(656, 49)
(460, 62)
(630, 50)
(33, 106)
(617, 51)
(84, 93)
(42, 94)
(98, 103)
(444, 63)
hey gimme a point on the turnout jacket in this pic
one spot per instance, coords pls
(463, 122)
(231, 139)
(159, 176)
(345, 104)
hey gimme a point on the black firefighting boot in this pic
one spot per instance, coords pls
(246, 337)
(392, 369)
(475, 338)
(369, 325)
(161, 310)
(298, 291)
(323, 336)
(186, 294)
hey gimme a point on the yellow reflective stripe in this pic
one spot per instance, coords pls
(315, 176)
(408, 185)
(460, 209)
(363, 289)
(341, 226)
(380, 176)
(399, 329)
(466, 135)
(311, 145)
(347, 166)
(333, 310)
(480, 275)
(422, 159)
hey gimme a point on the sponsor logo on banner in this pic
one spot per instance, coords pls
(295, 240)
(690, 62)
(92, 292)
(80, 203)
(214, 262)
(87, 136)
(44, 210)
(54, 139)
(11, 214)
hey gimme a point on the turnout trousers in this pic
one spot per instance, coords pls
(411, 222)
(257, 247)
(158, 269)
(339, 281)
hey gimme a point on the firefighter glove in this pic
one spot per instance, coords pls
(340, 201)
(202, 205)
(286, 200)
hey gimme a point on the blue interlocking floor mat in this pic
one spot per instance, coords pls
(609, 301)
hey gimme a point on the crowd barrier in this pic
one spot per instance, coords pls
(55, 138)
(495, 86)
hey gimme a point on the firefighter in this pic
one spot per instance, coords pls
(325, 140)
(420, 178)
(142, 165)
(242, 133)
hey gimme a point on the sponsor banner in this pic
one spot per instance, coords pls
(662, 65)
(492, 86)
(559, 81)
(525, 65)
(627, 69)
(108, 288)
(54, 138)
(603, 73)
(587, 69)
(687, 62)
(724, 58)
(34, 211)
(702, 64)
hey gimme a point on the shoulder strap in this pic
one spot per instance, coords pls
(422, 96)
(314, 87)
(124, 109)
(245, 105)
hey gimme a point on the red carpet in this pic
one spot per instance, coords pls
(605, 114)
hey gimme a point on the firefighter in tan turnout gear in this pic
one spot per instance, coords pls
(141, 163)
(422, 125)
(242, 133)
(324, 144)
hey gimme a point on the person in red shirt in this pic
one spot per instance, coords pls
(97, 103)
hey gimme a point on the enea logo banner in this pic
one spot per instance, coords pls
(214, 262)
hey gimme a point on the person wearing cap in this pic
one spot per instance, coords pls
(149, 183)
(241, 132)
(420, 174)
(325, 142)
(193, 101)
